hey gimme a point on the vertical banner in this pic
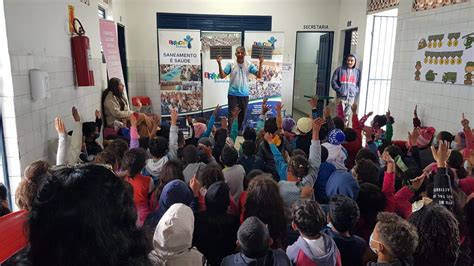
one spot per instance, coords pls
(215, 89)
(108, 38)
(180, 71)
(271, 83)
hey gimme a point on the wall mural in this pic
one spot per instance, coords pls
(446, 58)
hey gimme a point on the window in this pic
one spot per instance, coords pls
(101, 12)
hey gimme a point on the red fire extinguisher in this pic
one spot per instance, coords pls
(81, 55)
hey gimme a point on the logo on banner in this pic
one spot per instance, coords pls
(269, 43)
(215, 77)
(185, 43)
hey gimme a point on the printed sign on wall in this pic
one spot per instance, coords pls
(271, 83)
(108, 38)
(180, 71)
(446, 58)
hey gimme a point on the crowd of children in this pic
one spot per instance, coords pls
(308, 192)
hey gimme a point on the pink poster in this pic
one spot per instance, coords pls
(108, 38)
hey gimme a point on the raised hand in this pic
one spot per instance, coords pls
(206, 150)
(417, 182)
(370, 113)
(75, 114)
(195, 186)
(441, 155)
(139, 103)
(279, 106)
(413, 136)
(389, 161)
(354, 108)
(216, 110)
(387, 114)
(415, 112)
(261, 59)
(97, 114)
(189, 119)
(174, 117)
(317, 124)
(464, 122)
(219, 59)
(59, 125)
(268, 137)
(314, 101)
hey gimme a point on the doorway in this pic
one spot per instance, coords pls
(123, 52)
(350, 43)
(312, 70)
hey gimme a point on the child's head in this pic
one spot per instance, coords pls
(336, 137)
(119, 147)
(288, 124)
(107, 157)
(444, 136)
(254, 238)
(248, 147)
(270, 126)
(394, 236)
(339, 123)
(324, 154)
(144, 142)
(366, 171)
(3, 196)
(250, 134)
(308, 218)
(90, 130)
(350, 134)
(209, 174)
(250, 175)
(456, 161)
(158, 147)
(229, 156)
(190, 154)
(33, 178)
(221, 136)
(171, 170)
(381, 120)
(343, 213)
(367, 154)
(299, 152)
(298, 166)
(134, 160)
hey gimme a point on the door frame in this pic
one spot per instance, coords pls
(294, 69)
(124, 61)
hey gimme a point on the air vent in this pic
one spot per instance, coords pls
(224, 51)
(265, 51)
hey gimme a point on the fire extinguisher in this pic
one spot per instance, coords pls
(81, 55)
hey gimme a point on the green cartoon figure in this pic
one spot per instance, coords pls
(469, 69)
(417, 72)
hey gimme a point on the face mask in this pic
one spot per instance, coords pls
(374, 250)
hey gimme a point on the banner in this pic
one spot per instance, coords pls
(271, 83)
(108, 38)
(446, 58)
(180, 71)
(215, 89)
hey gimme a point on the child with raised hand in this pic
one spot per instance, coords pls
(69, 155)
(162, 150)
(298, 176)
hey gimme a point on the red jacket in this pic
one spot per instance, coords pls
(354, 146)
(396, 202)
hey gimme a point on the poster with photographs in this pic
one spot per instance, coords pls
(215, 89)
(271, 83)
(445, 58)
(180, 71)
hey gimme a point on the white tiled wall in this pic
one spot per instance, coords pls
(35, 119)
(439, 105)
(143, 81)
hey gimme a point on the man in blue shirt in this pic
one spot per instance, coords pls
(239, 90)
